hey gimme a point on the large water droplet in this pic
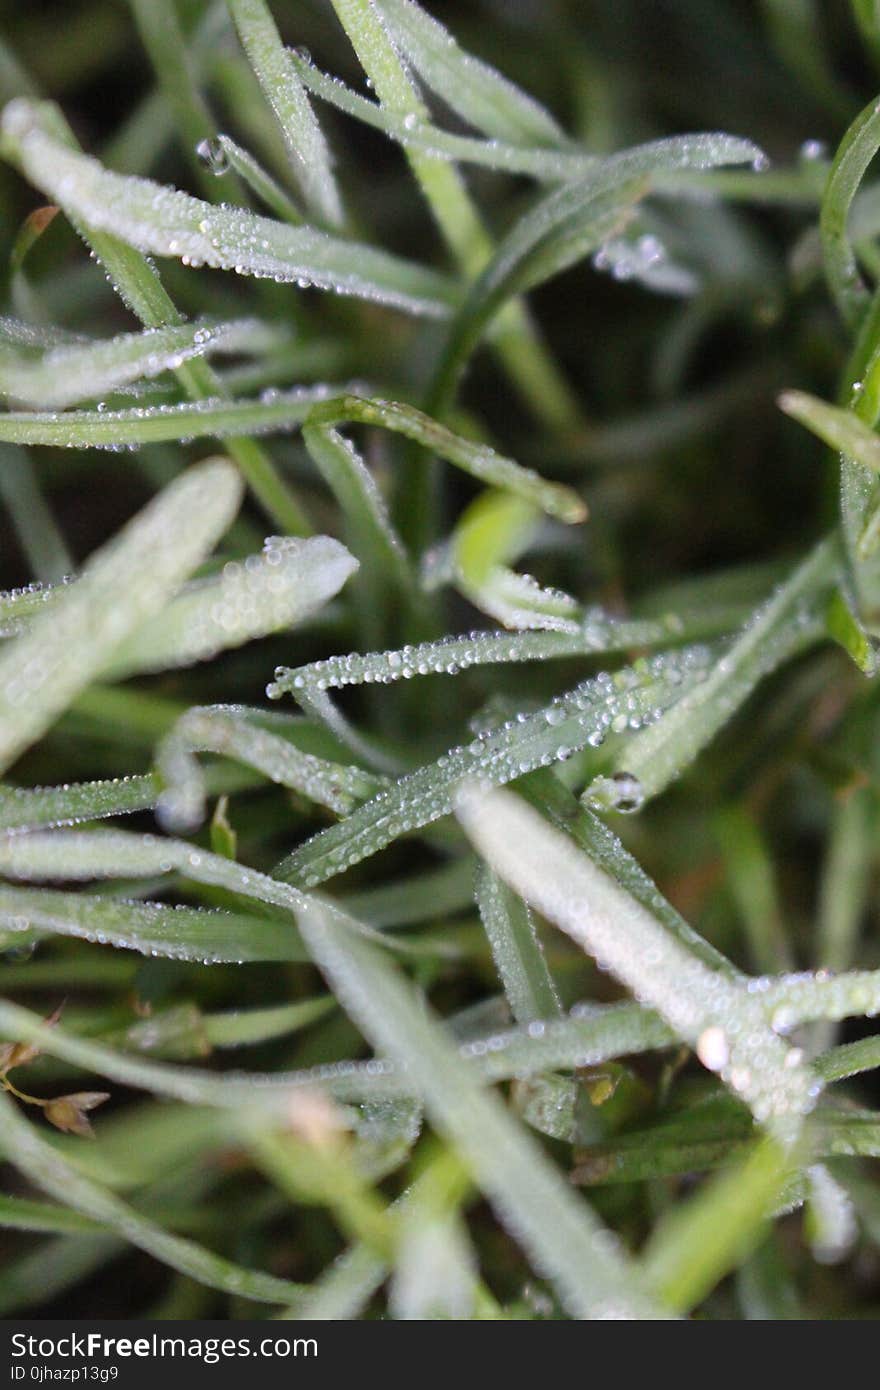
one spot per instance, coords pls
(213, 156)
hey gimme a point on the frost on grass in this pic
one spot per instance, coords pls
(136, 675)
(725, 1026)
(123, 585)
(581, 719)
(167, 222)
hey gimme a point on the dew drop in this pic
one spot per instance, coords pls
(213, 156)
(712, 1048)
(812, 150)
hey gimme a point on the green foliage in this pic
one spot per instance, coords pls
(653, 955)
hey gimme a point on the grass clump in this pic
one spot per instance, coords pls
(537, 908)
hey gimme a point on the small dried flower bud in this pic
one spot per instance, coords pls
(68, 1113)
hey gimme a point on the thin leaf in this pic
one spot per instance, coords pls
(19, 1214)
(681, 1264)
(558, 1232)
(153, 929)
(71, 373)
(24, 808)
(479, 460)
(580, 719)
(278, 78)
(597, 632)
(845, 886)
(166, 222)
(784, 625)
(223, 152)
(567, 225)
(44, 1166)
(549, 165)
(123, 585)
(116, 429)
(42, 856)
(373, 537)
(839, 428)
(235, 732)
(516, 948)
(137, 281)
(851, 162)
(473, 89)
(719, 1018)
(36, 528)
(525, 358)
(242, 1027)
(276, 590)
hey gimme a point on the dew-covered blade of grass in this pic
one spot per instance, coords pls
(790, 621)
(548, 164)
(580, 719)
(516, 948)
(716, 1016)
(567, 225)
(66, 374)
(247, 736)
(167, 222)
(153, 929)
(560, 1235)
(473, 89)
(122, 586)
(307, 148)
(287, 583)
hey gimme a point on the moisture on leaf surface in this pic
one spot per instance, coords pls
(439, 626)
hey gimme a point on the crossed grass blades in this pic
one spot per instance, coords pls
(488, 1066)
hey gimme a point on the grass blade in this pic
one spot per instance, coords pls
(28, 808)
(851, 162)
(473, 89)
(718, 1018)
(42, 1165)
(516, 948)
(118, 429)
(67, 374)
(223, 151)
(35, 526)
(580, 719)
(563, 228)
(124, 584)
(479, 460)
(786, 624)
(235, 732)
(526, 360)
(557, 1231)
(283, 586)
(539, 162)
(137, 282)
(680, 1263)
(373, 537)
(153, 929)
(839, 428)
(278, 78)
(166, 222)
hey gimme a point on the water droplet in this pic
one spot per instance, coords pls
(713, 1049)
(812, 150)
(213, 156)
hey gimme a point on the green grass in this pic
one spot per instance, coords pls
(386, 930)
